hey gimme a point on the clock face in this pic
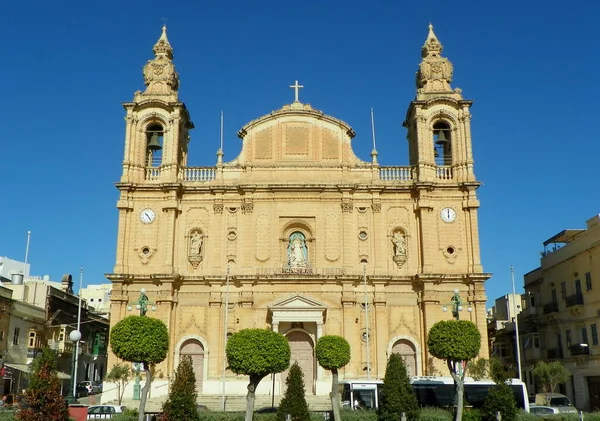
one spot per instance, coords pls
(147, 216)
(448, 215)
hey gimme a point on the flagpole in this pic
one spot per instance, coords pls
(79, 330)
(512, 276)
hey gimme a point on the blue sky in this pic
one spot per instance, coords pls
(531, 67)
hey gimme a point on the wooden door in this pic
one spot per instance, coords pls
(408, 353)
(301, 348)
(195, 350)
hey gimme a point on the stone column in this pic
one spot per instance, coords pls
(319, 334)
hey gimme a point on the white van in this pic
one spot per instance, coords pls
(556, 400)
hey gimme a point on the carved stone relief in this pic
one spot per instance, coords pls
(399, 247)
(196, 247)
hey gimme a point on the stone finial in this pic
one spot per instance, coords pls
(160, 76)
(432, 47)
(435, 71)
(162, 46)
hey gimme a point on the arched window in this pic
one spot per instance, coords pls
(154, 144)
(442, 143)
(297, 250)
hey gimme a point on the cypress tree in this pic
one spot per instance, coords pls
(181, 403)
(294, 400)
(397, 394)
(43, 398)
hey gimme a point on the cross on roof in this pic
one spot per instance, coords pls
(296, 87)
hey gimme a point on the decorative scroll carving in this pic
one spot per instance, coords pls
(347, 207)
(376, 206)
(247, 206)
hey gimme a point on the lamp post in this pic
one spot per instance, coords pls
(457, 305)
(141, 304)
(75, 337)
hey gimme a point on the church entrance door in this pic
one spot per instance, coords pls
(194, 349)
(409, 354)
(301, 348)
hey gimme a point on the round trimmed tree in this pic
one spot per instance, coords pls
(456, 342)
(333, 353)
(257, 353)
(140, 339)
(397, 395)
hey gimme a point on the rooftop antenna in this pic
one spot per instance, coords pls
(220, 151)
(374, 151)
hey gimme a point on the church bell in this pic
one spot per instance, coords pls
(441, 139)
(154, 144)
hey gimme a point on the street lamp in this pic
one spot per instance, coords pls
(457, 305)
(75, 337)
(141, 304)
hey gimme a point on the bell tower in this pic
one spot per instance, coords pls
(438, 121)
(157, 123)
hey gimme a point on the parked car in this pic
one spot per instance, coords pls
(97, 386)
(88, 385)
(542, 410)
(81, 391)
(104, 412)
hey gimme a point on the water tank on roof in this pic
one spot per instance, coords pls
(46, 278)
(16, 278)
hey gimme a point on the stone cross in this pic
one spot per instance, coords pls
(296, 88)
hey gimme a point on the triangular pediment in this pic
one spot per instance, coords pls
(297, 301)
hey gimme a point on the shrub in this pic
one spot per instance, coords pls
(294, 399)
(500, 398)
(397, 395)
(43, 397)
(349, 415)
(181, 403)
(434, 414)
(472, 414)
(129, 415)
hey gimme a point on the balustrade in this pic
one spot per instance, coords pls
(197, 173)
(395, 173)
(443, 172)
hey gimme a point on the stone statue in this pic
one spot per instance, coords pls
(297, 251)
(196, 243)
(399, 244)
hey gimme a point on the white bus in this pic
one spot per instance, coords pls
(430, 391)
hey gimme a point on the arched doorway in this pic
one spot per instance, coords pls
(407, 351)
(301, 347)
(194, 349)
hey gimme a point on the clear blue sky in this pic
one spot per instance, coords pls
(532, 68)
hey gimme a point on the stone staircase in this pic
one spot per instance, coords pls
(233, 403)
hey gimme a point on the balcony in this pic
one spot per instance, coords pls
(532, 354)
(579, 349)
(574, 300)
(550, 308)
(528, 312)
(554, 353)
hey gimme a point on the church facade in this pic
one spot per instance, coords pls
(297, 234)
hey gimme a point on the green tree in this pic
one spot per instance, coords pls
(120, 375)
(456, 342)
(550, 375)
(294, 399)
(43, 397)
(143, 340)
(257, 353)
(500, 398)
(181, 403)
(333, 353)
(478, 369)
(397, 395)
(497, 370)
